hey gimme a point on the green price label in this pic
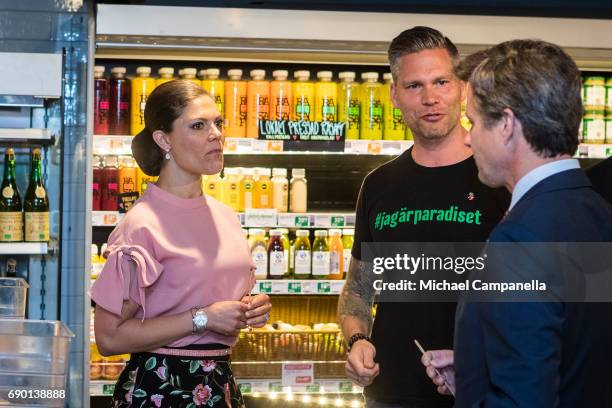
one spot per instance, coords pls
(323, 287)
(275, 387)
(245, 387)
(295, 287)
(337, 221)
(608, 151)
(313, 388)
(345, 386)
(108, 389)
(301, 221)
(265, 287)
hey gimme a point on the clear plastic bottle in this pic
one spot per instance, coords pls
(394, 127)
(371, 107)
(303, 96)
(280, 190)
(258, 97)
(348, 237)
(335, 254)
(166, 74)
(326, 97)
(302, 263)
(320, 256)
(299, 191)
(277, 261)
(349, 104)
(235, 104)
(259, 252)
(287, 248)
(215, 87)
(280, 96)
(262, 193)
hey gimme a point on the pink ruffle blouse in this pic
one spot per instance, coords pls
(187, 252)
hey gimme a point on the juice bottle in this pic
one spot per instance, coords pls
(95, 258)
(277, 262)
(302, 255)
(142, 86)
(349, 104)
(189, 74)
(127, 175)
(394, 127)
(280, 190)
(110, 184)
(287, 249)
(258, 98)
(142, 180)
(212, 186)
(326, 97)
(347, 244)
(96, 203)
(231, 188)
(235, 104)
(371, 107)
(166, 74)
(262, 193)
(247, 185)
(320, 255)
(119, 113)
(336, 254)
(281, 96)
(303, 96)
(299, 191)
(100, 102)
(259, 252)
(215, 87)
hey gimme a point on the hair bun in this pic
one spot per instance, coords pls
(147, 153)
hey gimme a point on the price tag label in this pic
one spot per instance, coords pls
(260, 146)
(348, 146)
(301, 221)
(108, 389)
(345, 386)
(279, 287)
(323, 221)
(314, 388)
(245, 388)
(308, 287)
(337, 221)
(297, 374)
(285, 220)
(294, 287)
(110, 219)
(230, 146)
(260, 218)
(391, 147)
(265, 287)
(244, 145)
(323, 287)
(336, 286)
(374, 147)
(275, 146)
(275, 387)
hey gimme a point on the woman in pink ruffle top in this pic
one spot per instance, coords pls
(175, 289)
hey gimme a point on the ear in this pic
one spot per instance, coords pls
(463, 91)
(509, 125)
(162, 140)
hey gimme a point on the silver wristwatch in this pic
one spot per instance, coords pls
(199, 319)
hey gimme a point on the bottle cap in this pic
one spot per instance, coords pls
(99, 68)
(298, 172)
(284, 231)
(275, 233)
(280, 74)
(190, 72)
(320, 233)
(335, 232)
(234, 73)
(202, 73)
(347, 75)
(325, 75)
(348, 231)
(110, 161)
(166, 71)
(258, 74)
(144, 71)
(118, 70)
(279, 172)
(256, 231)
(387, 76)
(301, 75)
(370, 75)
(302, 233)
(94, 249)
(213, 73)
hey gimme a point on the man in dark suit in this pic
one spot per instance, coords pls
(601, 178)
(525, 106)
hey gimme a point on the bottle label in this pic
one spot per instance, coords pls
(277, 263)
(243, 110)
(320, 263)
(260, 258)
(37, 226)
(104, 105)
(346, 260)
(40, 192)
(302, 262)
(11, 226)
(7, 192)
(112, 186)
(334, 263)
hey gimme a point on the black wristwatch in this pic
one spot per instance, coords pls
(356, 337)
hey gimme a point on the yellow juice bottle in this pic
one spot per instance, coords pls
(262, 193)
(235, 104)
(394, 127)
(231, 188)
(215, 87)
(142, 180)
(189, 74)
(326, 97)
(258, 102)
(303, 97)
(247, 185)
(371, 107)
(280, 96)
(336, 260)
(142, 86)
(349, 104)
(212, 186)
(166, 74)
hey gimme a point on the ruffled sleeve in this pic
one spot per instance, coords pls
(112, 286)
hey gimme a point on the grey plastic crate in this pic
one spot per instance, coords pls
(13, 295)
(33, 358)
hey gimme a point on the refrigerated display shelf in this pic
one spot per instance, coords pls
(23, 248)
(256, 218)
(25, 135)
(299, 287)
(121, 145)
(594, 151)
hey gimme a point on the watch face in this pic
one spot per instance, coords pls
(200, 320)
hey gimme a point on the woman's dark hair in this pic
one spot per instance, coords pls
(165, 104)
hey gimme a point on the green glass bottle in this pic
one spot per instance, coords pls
(36, 204)
(11, 217)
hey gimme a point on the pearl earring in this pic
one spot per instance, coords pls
(167, 156)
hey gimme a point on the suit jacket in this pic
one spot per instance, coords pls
(601, 177)
(540, 354)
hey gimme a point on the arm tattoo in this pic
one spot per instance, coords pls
(358, 293)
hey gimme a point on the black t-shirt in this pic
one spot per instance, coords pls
(398, 187)
(601, 178)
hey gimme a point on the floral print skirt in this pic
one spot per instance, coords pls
(163, 381)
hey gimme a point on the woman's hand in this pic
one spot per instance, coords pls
(258, 312)
(227, 318)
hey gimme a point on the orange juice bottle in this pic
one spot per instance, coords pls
(262, 193)
(212, 186)
(235, 104)
(166, 74)
(258, 94)
(303, 97)
(247, 185)
(127, 175)
(371, 107)
(326, 97)
(142, 86)
(215, 87)
(394, 127)
(231, 188)
(336, 254)
(280, 96)
(349, 104)
(189, 74)
(142, 180)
